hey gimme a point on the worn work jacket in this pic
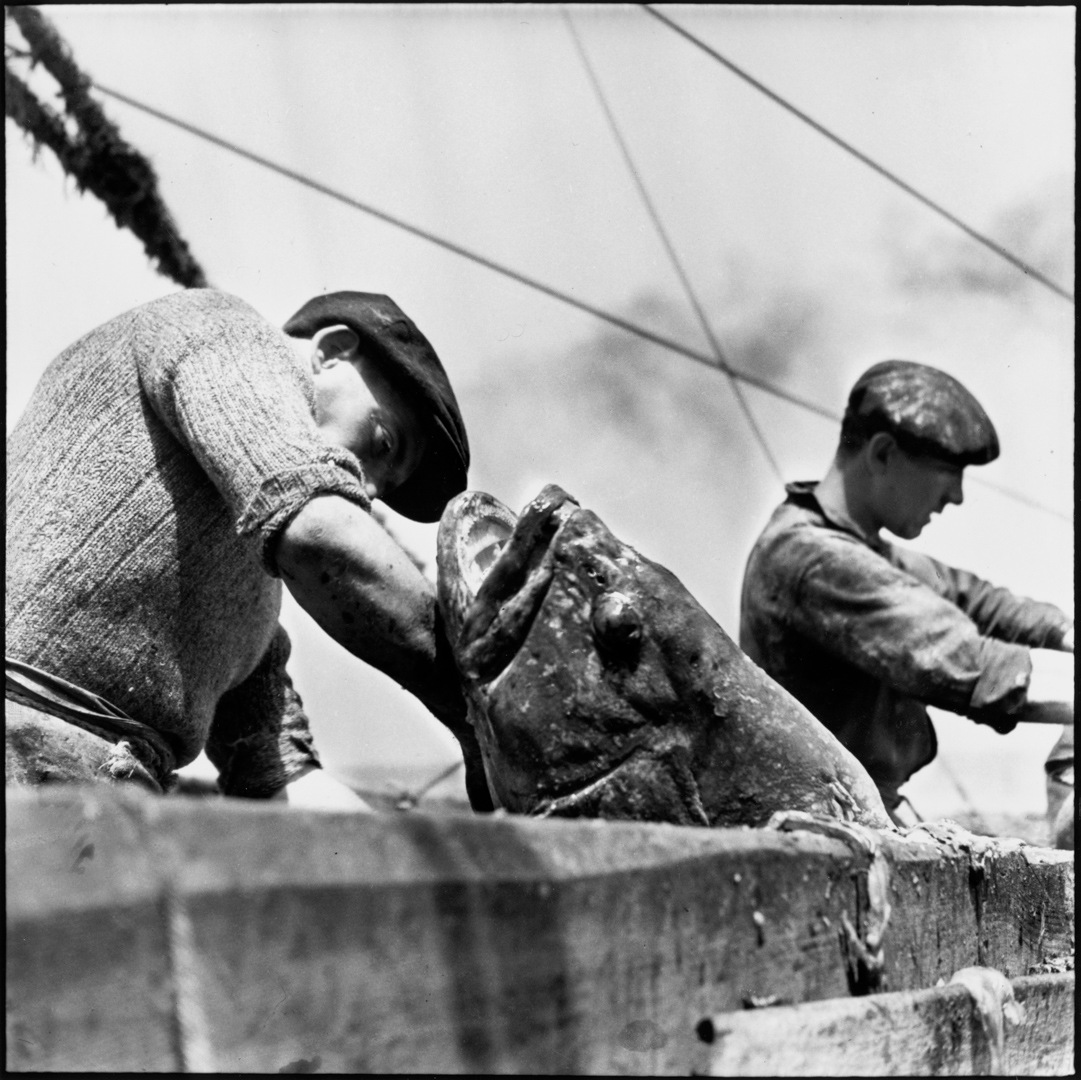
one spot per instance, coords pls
(866, 635)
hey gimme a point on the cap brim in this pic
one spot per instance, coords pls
(440, 475)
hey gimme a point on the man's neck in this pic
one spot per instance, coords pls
(837, 494)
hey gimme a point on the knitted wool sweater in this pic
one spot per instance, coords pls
(156, 463)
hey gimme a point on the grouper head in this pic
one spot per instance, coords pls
(599, 687)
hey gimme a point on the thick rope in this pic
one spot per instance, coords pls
(97, 158)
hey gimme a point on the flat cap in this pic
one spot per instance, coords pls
(926, 410)
(410, 363)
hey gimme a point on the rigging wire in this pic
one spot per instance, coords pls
(651, 209)
(514, 275)
(998, 249)
(457, 249)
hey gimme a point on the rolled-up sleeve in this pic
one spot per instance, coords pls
(896, 628)
(230, 389)
(260, 738)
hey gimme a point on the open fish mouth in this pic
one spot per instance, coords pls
(494, 573)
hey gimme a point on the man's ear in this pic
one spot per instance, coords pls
(333, 344)
(881, 446)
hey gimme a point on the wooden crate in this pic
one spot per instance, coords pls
(154, 934)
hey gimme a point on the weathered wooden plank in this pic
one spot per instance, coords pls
(419, 943)
(1002, 912)
(933, 1032)
(1045, 1044)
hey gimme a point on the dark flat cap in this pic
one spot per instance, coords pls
(928, 411)
(410, 363)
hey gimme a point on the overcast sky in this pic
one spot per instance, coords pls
(480, 124)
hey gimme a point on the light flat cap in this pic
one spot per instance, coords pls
(926, 410)
(410, 363)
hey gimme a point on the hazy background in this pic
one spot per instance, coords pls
(479, 123)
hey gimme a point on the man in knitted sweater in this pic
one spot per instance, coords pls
(867, 634)
(173, 468)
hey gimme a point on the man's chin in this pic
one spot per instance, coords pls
(909, 531)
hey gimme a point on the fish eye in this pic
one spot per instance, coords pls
(617, 627)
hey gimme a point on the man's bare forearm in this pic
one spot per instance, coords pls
(367, 594)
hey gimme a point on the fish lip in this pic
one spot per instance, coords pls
(499, 615)
(552, 804)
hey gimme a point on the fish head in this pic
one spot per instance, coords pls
(599, 686)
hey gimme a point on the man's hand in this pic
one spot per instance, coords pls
(313, 789)
(1067, 640)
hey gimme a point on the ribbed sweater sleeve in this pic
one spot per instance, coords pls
(229, 388)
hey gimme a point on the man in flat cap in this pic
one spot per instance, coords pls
(173, 468)
(867, 634)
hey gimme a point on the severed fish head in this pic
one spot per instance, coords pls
(599, 687)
